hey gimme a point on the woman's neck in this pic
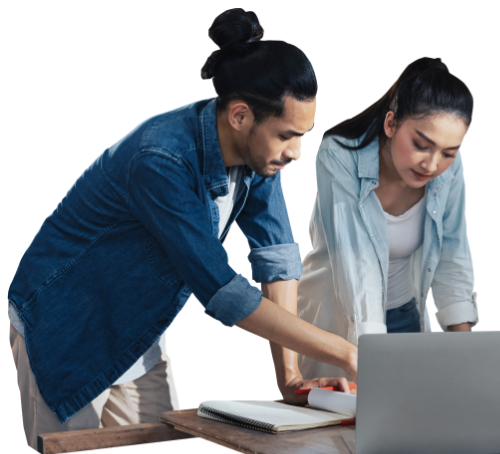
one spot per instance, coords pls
(387, 171)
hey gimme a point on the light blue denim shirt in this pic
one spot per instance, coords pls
(138, 233)
(343, 288)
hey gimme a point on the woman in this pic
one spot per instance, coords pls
(389, 218)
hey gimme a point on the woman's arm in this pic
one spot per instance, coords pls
(284, 294)
(462, 327)
(453, 281)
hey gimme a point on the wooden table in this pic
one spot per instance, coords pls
(186, 424)
(325, 440)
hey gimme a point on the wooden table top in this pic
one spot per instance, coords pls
(325, 440)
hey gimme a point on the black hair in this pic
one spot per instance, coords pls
(425, 87)
(261, 73)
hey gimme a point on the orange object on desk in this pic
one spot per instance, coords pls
(348, 422)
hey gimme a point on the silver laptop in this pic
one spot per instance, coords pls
(428, 393)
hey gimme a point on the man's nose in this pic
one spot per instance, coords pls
(293, 150)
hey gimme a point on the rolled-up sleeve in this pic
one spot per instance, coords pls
(264, 221)
(453, 281)
(163, 197)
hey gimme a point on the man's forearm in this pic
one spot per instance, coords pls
(284, 294)
(283, 328)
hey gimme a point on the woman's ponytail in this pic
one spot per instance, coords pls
(425, 87)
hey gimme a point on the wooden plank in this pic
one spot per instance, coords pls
(325, 440)
(107, 437)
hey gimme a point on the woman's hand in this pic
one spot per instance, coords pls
(295, 383)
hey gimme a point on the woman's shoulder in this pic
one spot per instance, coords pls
(341, 142)
(333, 152)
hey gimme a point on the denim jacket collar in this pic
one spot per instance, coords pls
(214, 171)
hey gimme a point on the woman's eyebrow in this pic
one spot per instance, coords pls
(421, 134)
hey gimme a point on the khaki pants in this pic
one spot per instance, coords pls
(135, 402)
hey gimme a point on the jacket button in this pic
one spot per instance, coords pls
(374, 183)
(429, 270)
(434, 212)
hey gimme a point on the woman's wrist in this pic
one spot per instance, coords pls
(462, 327)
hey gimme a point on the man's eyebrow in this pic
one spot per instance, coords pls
(432, 142)
(295, 133)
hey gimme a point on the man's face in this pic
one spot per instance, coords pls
(276, 142)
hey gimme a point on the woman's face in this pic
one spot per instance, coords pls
(422, 149)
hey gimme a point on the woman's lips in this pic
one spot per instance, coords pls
(419, 175)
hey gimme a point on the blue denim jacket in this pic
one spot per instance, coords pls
(136, 234)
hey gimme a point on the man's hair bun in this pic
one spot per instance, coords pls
(260, 73)
(235, 26)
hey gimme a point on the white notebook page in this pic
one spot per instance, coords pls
(279, 415)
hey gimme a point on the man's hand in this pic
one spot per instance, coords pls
(350, 363)
(288, 390)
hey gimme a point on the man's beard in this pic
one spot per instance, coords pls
(258, 166)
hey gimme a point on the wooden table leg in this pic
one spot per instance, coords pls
(107, 437)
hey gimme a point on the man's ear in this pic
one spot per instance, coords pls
(240, 116)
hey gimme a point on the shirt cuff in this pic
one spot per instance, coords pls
(235, 301)
(457, 313)
(275, 263)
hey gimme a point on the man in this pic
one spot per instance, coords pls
(143, 227)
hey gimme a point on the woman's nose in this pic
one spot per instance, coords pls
(430, 165)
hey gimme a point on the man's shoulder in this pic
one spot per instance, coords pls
(175, 132)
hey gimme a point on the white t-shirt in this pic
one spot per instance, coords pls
(226, 203)
(406, 234)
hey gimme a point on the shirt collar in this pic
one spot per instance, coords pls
(368, 165)
(214, 171)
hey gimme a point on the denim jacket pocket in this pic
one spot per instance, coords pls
(161, 265)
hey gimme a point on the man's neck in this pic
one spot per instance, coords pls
(226, 143)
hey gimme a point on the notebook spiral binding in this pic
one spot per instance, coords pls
(237, 420)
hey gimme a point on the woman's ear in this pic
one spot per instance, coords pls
(390, 124)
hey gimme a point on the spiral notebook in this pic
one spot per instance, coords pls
(268, 416)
